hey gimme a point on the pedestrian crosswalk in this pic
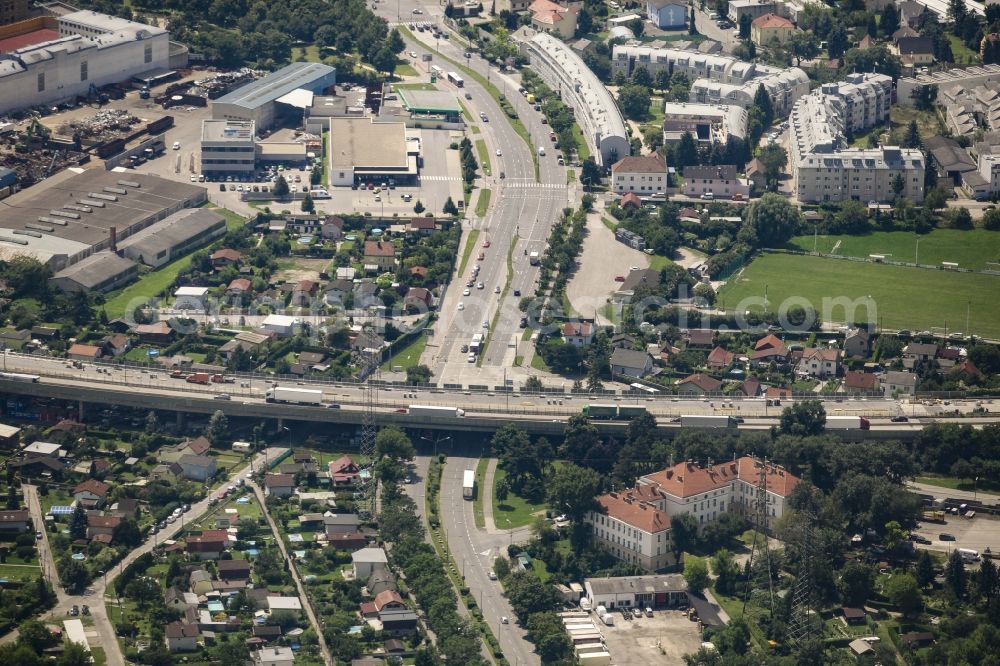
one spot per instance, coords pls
(531, 185)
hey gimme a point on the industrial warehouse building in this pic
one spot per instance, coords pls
(227, 147)
(73, 215)
(100, 272)
(174, 237)
(362, 150)
(288, 91)
(48, 60)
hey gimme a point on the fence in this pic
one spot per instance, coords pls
(888, 262)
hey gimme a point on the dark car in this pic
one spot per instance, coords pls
(944, 536)
(524, 322)
(899, 419)
(517, 292)
(916, 538)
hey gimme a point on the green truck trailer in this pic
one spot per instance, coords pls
(609, 412)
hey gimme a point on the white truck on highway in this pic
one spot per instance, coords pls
(468, 484)
(695, 421)
(296, 396)
(847, 423)
(433, 410)
(534, 259)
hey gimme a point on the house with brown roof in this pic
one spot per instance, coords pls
(578, 334)
(91, 493)
(858, 343)
(860, 383)
(197, 446)
(343, 471)
(699, 384)
(644, 175)
(115, 345)
(160, 333)
(630, 201)
(101, 525)
(279, 485)
(750, 388)
(15, 521)
(233, 569)
(547, 16)
(769, 28)
(777, 393)
(769, 349)
(700, 338)
(719, 359)
(182, 637)
(707, 491)
(239, 286)
(380, 253)
(629, 525)
(226, 257)
(819, 362)
(209, 545)
(418, 299)
(422, 225)
(79, 352)
(385, 600)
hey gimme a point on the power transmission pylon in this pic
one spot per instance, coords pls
(802, 625)
(369, 429)
(760, 534)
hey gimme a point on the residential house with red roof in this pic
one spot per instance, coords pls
(719, 359)
(279, 485)
(102, 526)
(239, 286)
(820, 362)
(226, 257)
(91, 493)
(699, 384)
(343, 471)
(385, 600)
(209, 545)
(644, 174)
(547, 16)
(769, 349)
(578, 334)
(860, 383)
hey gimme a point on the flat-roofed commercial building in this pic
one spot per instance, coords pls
(100, 272)
(174, 237)
(969, 77)
(595, 110)
(707, 123)
(62, 58)
(260, 100)
(70, 216)
(227, 147)
(362, 150)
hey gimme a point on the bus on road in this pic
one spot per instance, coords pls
(456, 79)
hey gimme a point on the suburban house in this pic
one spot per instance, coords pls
(914, 51)
(209, 545)
(750, 388)
(547, 16)
(769, 27)
(719, 359)
(158, 333)
(197, 468)
(197, 446)
(422, 225)
(635, 280)
(385, 600)
(182, 637)
(865, 383)
(381, 254)
(98, 526)
(174, 598)
(769, 349)
(282, 326)
(897, 383)
(699, 338)
(226, 257)
(79, 352)
(660, 591)
(273, 656)
(715, 182)
(191, 298)
(367, 561)
(820, 362)
(418, 298)
(279, 485)
(91, 493)
(380, 581)
(630, 363)
(918, 352)
(699, 384)
(15, 521)
(629, 526)
(578, 334)
(343, 471)
(398, 622)
(858, 343)
(643, 174)
(667, 14)
(341, 523)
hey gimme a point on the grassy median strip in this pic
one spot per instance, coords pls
(470, 245)
(484, 202)
(484, 155)
(516, 123)
(477, 503)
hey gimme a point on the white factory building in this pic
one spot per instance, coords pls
(595, 110)
(824, 168)
(290, 90)
(74, 53)
(717, 79)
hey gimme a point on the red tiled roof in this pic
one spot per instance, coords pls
(228, 254)
(864, 381)
(632, 508)
(240, 284)
(93, 486)
(631, 199)
(821, 353)
(772, 21)
(640, 164)
(280, 481)
(84, 350)
(103, 521)
(199, 446)
(581, 330)
(178, 630)
(702, 381)
(689, 479)
(777, 392)
(719, 356)
(379, 249)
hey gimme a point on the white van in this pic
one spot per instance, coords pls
(541, 151)
(968, 554)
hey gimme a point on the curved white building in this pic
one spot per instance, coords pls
(594, 108)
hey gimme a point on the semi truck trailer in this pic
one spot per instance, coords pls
(295, 396)
(693, 421)
(847, 423)
(432, 410)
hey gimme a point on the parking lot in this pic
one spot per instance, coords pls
(662, 639)
(976, 533)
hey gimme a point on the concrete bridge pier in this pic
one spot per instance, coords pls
(80, 411)
(181, 420)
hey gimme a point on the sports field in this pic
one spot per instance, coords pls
(969, 249)
(911, 298)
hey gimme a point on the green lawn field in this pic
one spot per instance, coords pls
(912, 298)
(969, 249)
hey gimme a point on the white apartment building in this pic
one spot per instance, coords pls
(644, 175)
(227, 147)
(92, 50)
(825, 169)
(707, 123)
(634, 525)
(717, 79)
